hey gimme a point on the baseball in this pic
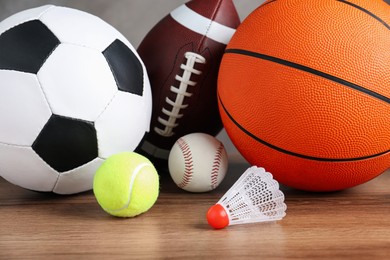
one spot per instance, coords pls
(198, 162)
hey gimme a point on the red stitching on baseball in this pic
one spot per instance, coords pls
(188, 162)
(216, 165)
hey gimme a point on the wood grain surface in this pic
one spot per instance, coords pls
(351, 224)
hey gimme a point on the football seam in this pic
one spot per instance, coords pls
(181, 92)
(205, 36)
(171, 72)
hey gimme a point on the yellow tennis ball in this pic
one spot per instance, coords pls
(126, 185)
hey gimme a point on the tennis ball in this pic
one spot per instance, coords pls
(126, 185)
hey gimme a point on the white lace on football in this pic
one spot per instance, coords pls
(181, 93)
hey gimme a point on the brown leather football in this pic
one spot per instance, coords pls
(182, 54)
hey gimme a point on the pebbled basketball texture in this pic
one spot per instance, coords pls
(304, 91)
(182, 54)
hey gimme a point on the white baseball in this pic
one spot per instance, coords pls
(198, 162)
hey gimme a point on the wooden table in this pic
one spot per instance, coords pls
(352, 224)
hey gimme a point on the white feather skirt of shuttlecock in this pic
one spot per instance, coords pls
(254, 197)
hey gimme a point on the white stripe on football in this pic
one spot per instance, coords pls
(202, 25)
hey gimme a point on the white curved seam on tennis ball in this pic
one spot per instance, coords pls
(132, 180)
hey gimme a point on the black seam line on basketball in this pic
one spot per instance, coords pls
(293, 153)
(310, 70)
(366, 11)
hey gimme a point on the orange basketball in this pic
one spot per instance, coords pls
(304, 91)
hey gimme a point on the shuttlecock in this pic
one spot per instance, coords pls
(254, 197)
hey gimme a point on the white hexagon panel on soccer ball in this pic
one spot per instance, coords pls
(77, 81)
(23, 167)
(123, 124)
(79, 179)
(22, 17)
(23, 108)
(81, 28)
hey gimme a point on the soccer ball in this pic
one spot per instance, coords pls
(73, 91)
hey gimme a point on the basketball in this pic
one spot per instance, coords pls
(304, 91)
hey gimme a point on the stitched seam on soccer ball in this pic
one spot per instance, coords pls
(181, 93)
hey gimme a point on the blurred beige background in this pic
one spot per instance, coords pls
(133, 18)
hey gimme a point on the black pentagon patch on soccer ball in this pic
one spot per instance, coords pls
(66, 143)
(126, 67)
(25, 47)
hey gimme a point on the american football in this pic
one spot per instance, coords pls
(182, 54)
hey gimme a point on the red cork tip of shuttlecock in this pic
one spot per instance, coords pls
(217, 217)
